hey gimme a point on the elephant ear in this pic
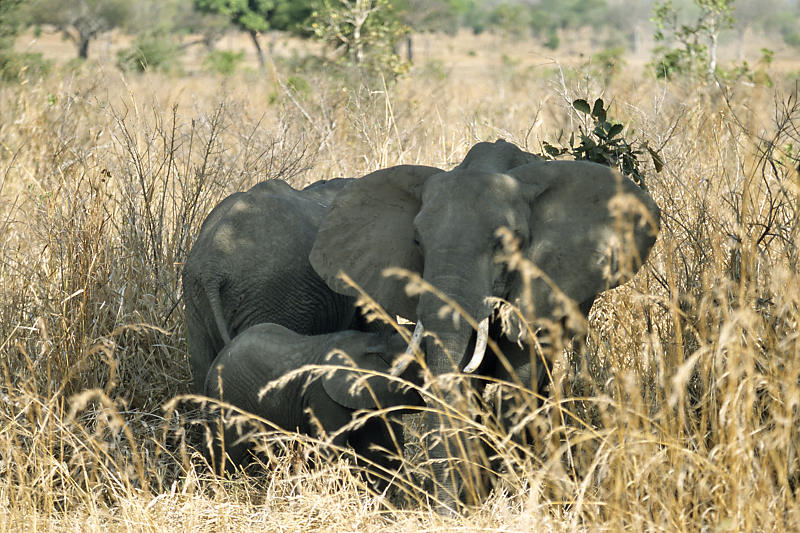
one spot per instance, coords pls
(577, 228)
(369, 228)
(339, 385)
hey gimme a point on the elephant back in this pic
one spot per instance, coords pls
(249, 265)
(324, 191)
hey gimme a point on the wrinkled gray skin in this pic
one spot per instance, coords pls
(266, 352)
(250, 265)
(442, 225)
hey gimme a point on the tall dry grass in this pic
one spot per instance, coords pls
(681, 414)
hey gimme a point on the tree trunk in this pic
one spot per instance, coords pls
(713, 34)
(712, 55)
(358, 44)
(262, 64)
(636, 39)
(410, 48)
(740, 42)
(83, 46)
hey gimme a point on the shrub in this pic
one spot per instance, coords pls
(364, 35)
(603, 143)
(224, 62)
(689, 48)
(150, 52)
(792, 38)
(609, 62)
(553, 41)
(16, 67)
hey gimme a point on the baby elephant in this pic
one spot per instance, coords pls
(266, 352)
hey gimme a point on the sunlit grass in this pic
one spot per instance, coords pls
(682, 413)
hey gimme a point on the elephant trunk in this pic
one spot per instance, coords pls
(464, 279)
(477, 355)
(449, 333)
(444, 444)
(445, 440)
(446, 342)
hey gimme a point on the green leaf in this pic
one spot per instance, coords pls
(600, 132)
(581, 105)
(615, 129)
(598, 111)
(587, 144)
(551, 150)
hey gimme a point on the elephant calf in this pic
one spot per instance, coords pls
(267, 352)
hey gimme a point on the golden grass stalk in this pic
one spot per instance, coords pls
(681, 413)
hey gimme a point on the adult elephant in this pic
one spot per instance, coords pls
(249, 265)
(584, 225)
(309, 399)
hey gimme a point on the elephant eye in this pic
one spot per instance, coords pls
(497, 244)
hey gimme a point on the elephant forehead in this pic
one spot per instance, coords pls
(470, 185)
(478, 200)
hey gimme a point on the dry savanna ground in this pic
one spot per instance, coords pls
(681, 415)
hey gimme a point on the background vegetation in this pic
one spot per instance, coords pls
(682, 414)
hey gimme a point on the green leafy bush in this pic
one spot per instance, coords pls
(609, 62)
(299, 85)
(756, 75)
(676, 62)
(150, 52)
(364, 35)
(512, 19)
(553, 41)
(604, 143)
(223, 62)
(785, 22)
(689, 48)
(16, 66)
(792, 38)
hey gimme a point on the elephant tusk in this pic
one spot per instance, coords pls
(415, 337)
(480, 347)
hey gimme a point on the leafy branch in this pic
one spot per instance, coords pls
(604, 144)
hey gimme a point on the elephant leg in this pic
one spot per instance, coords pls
(511, 411)
(202, 350)
(501, 407)
(323, 413)
(227, 445)
(459, 467)
(379, 447)
(457, 456)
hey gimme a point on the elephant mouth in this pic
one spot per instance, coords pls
(477, 355)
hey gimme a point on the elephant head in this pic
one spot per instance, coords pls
(584, 226)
